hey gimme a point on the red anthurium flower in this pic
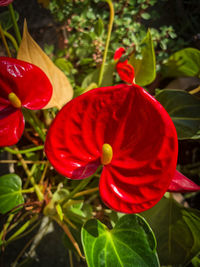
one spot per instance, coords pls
(21, 85)
(127, 131)
(5, 2)
(124, 69)
(181, 184)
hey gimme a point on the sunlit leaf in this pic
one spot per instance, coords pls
(145, 68)
(94, 76)
(185, 62)
(30, 51)
(10, 192)
(177, 230)
(98, 27)
(130, 243)
(184, 110)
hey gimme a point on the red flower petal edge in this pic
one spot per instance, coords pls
(124, 69)
(29, 87)
(11, 126)
(140, 132)
(118, 53)
(181, 184)
(125, 72)
(5, 2)
(26, 80)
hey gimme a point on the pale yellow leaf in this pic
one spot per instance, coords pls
(30, 51)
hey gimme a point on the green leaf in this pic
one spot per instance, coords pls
(98, 27)
(185, 62)
(184, 110)
(177, 231)
(10, 192)
(64, 65)
(6, 20)
(130, 243)
(145, 15)
(94, 76)
(145, 68)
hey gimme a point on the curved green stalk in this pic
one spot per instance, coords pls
(110, 25)
(12, 151)
(12, 39)
(15, 25)
(2, 33)
(35, 122)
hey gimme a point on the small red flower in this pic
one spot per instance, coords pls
(181, 184)
(22, 85)
(124, 69)
(5, 2)
(127, 131)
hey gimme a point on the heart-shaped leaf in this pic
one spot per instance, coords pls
(130, 243)
(185, 62)
(177, 231)
(30, 51)
(184, 110)
(145, 68)
(10, 192)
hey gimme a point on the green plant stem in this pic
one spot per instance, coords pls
(86, 192)
(26, 191)
(5, 227)
(110, 25)
(15, 25)
(20, 232)
(34, 121)
(12, 151)
(12, 39)
(30, 176)
(68, 233)
(79, 187)
(4, 41)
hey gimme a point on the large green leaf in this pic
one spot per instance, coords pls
(184, 109)
(177, 231)
(94, 76)
(185, 62)
(10, 192)
(145, 68)
(6, 20)
(130, 243)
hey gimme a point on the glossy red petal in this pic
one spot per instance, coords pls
(27, 81)
(11, 126)
(181, 184)
(125, 71)
(142, 136)
(118, 53)
(145, 154)
(5, 2)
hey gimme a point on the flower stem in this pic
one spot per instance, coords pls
(30, 176)
(4, 41)
(34, 121)
(13, 151)
(110, 25)
(12, 39)
(15, 25)
(79, 187)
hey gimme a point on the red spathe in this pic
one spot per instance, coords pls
(142, 136)
(31, 85)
